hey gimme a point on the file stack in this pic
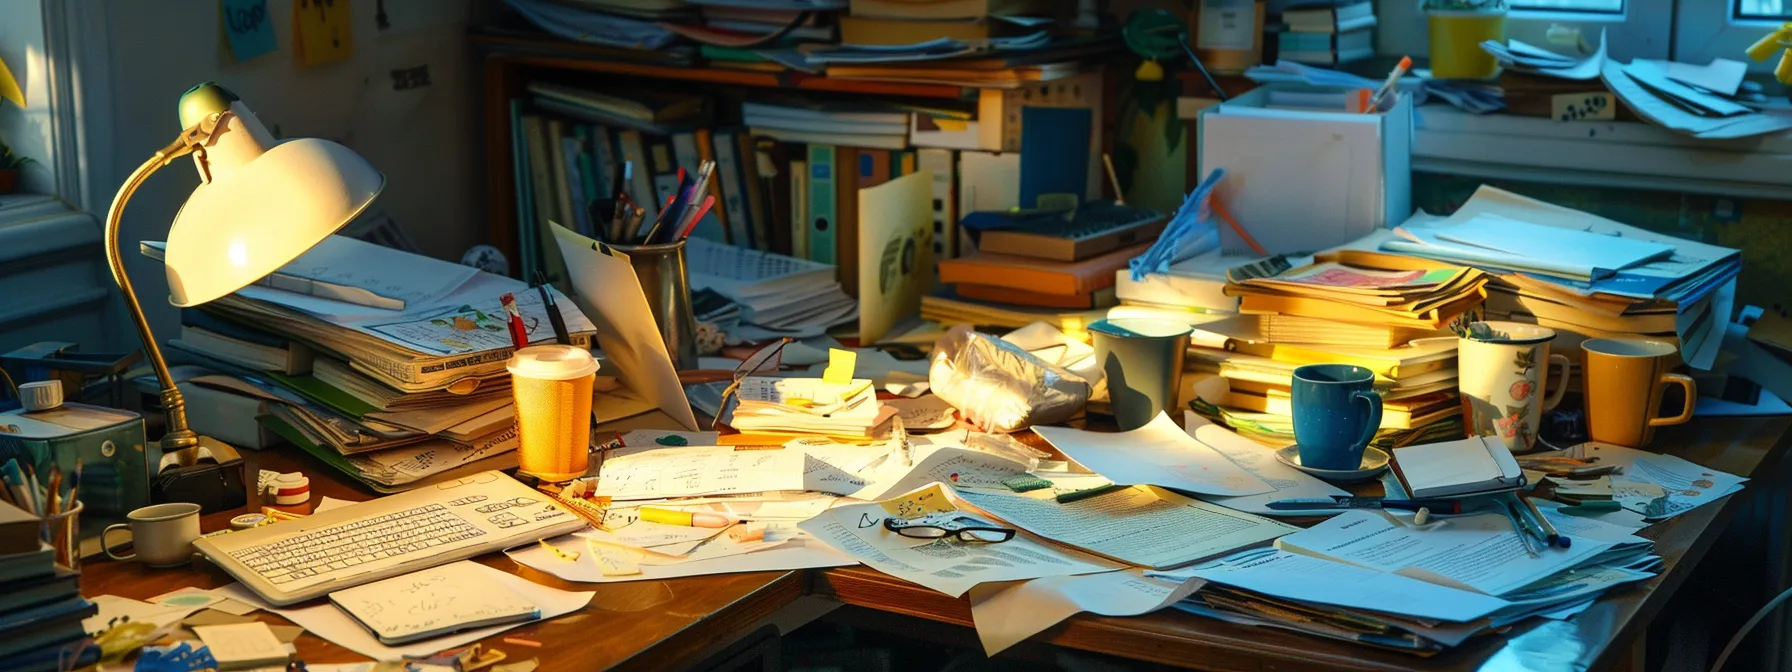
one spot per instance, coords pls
(394, 395)
(40, 603)
(1583, 275)
(847, 409)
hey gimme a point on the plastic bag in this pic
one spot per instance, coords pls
(1000, 387)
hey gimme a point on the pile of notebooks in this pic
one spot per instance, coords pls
(797, 406)
(1326, 33)
(1583, 275)
(40, 602)
(393, 397)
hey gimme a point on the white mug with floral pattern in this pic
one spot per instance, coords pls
(1501, 371)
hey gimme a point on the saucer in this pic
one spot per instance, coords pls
(1375, 461)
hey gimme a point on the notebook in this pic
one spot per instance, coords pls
(432, 603)
(1472, 466)
(239, 646)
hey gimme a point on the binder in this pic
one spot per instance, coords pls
(821, 204)
(728, 172)
(758, 211)
(941, 163)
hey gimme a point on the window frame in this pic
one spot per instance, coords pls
(1707, 29)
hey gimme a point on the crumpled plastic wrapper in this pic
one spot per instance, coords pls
(1000, 387)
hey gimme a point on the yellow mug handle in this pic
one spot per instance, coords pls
(1692, 398)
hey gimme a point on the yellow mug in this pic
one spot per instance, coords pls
(1624, 379)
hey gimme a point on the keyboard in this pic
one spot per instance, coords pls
(297, 560)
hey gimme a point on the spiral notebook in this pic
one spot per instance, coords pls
(433, 602)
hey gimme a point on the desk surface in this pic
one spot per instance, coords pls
(679, 621)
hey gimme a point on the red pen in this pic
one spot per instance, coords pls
(701, 211)
(519, 336)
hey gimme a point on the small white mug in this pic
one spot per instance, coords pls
(162, 534)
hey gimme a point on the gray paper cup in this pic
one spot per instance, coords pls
(1142, 361)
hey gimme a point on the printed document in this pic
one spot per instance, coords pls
(1298, 577)
(1289, 483)
(1479, 552)
(946, 564)
(1160, 454)
(689, 472)
(1007, 613)
(1140, 525)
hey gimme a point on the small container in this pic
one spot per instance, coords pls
(63, 532)
(1456, 37)
(666, 282)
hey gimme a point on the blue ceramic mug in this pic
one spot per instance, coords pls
(1336, 413)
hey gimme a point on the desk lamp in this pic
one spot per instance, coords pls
(260, 204)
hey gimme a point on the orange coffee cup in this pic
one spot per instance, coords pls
(552, 388)
(1624, 380)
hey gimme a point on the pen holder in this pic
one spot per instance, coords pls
(62, 531)
(667, 284)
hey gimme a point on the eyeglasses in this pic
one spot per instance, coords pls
(961, 528)
(765, 360)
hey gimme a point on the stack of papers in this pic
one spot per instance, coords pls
(1367, 288)
(1636, 282)
(808, 406)
(1520, 57)
(778, 295)
(861, 125)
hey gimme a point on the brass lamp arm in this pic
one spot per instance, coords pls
(193, 139)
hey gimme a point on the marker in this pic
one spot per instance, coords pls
(519, 335)
(1398, 72)
(685, 518)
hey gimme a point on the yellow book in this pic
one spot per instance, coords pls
(1432, 318)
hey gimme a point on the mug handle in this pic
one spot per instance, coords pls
(1373, 399)
(1560, 363)
(108, 547)
(1692, 396)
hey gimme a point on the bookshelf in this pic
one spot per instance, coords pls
(511, 62)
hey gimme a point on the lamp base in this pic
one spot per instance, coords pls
(207, 472)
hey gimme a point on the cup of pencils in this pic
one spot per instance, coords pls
(62, 531)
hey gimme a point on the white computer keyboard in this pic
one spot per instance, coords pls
(297, 560)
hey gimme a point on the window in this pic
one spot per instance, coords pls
(1773, 10)
(1707, 29)
(1598, 6)
(1633, 28)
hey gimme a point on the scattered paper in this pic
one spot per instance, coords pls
(1289, 483)
(242, 644)
(1656, 485)
(1007, 613)
(945, 564)
(1722, 76)
(115, 608)
(1160, 454)
(924, 412)
(328, 622)
(688, 472)
(1308, 579)
(610, 294)
(1140, 525)
(235, 608)
(797, 554)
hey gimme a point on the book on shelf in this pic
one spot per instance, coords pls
(1326, 48)
(1101, 298)
(943, 164)
(773, 160)
(868, 31)
(947, 9)
(1047, 277)
(1339, 18)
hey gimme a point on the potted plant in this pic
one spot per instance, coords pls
(1458, 27)
(10, 164)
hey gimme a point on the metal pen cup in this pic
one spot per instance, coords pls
(666, 282)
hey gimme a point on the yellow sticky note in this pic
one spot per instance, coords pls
(841, 364)
(931, 499)
(9, 86)
(322, 31)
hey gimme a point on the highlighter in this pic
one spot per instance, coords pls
(685, 518)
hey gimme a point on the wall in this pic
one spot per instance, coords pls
(426, 140)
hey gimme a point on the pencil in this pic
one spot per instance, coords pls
(37, 501)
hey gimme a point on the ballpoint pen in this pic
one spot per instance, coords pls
(553, 310)
(1518, 525)
(1550, 534)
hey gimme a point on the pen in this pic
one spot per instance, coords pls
(15, 482)
(1518, 525)
(701, 210)
(553, 310)
(1394, 76)
(685, 518)
(1549, 531)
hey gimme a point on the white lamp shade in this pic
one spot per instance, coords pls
(248, 222)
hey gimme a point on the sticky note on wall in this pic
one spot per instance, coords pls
(322, 31)
(248, 28)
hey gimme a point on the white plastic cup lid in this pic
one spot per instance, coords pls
(552, 362)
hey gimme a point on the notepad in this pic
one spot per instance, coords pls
(432, 603)
(1471, 466)
(242, 645)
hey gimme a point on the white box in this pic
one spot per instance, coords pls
(1305, 180)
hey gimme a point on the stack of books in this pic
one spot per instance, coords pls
(1583, 275)
(1327, 33)
(796, 406)
(394, 398)
(40, 602)
(901, 23)
(1053, 260)
(1371, 310)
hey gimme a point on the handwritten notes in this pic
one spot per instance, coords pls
(1138, 525)
(436, 601)
(242, 645)
(323, 31)
(688, 472)
(248, 28)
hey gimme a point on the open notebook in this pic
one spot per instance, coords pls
(1471, 466)
(432, 603)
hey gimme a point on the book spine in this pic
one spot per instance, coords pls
(571, 150)
(524, 195)
(822, 228)
(715, 225)
(757, 209)
(940, 162)
(541, 176)
(799, 209)
(735, 196)
(557, 167)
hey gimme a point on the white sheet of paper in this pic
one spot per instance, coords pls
(925, 412)
(1140, 525)
(1298, 577)
(1160, 454)
(113, 606)
(799, 554)
(1721, 75)
(946, 565)
(611, 295)
(959, 467)
(688, 472)
(240, 643)
(1289, 483)
(1686, 484)
(1007, 613)
(325, 620)
(1480, 552)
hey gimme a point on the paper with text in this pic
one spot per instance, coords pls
(1139, 525)
(1289, 483)
(688, 472)
(1160, 454)
(441, 599)
(798, 554)
(1298, 577)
